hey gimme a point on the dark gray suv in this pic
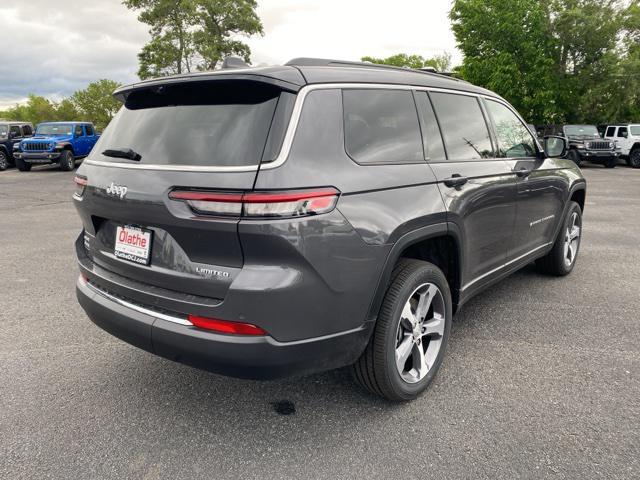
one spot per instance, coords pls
(274, 221)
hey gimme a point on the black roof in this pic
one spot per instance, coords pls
(307, 71)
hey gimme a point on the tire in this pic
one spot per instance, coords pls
(396, 328)
(574, 156)
(67, 161)
(634, 158)
(557, 261)
(611, 162)
(22, 165)
(4, 161)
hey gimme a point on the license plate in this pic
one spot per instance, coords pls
(133, 244)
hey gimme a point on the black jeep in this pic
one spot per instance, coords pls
(586, 143)
(11, 133)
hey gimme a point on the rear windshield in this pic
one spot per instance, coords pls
(207, 124)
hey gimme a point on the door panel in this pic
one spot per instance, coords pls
(484, 208)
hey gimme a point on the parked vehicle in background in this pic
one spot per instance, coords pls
(314, 215)
(627, 139)
(56, 142)
(585, 143)
(10, 134)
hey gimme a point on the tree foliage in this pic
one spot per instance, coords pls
(190, 35)
(442, 63)
(555, 60)
(92, 104)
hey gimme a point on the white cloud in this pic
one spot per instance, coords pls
(54, 48)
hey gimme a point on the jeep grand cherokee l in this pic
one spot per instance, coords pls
(282, 220)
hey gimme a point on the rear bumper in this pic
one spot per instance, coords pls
(37, 157)
(237, 356)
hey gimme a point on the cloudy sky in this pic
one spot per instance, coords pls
(53, 48)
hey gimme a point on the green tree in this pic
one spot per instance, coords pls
(37, 109)
(554, 60)
(189, 35)
(442, 63)
(96, 103)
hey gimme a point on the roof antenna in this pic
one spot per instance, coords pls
(233, 62)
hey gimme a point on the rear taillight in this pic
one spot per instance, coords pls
(81, 184)
(225, 326)
(296, 203)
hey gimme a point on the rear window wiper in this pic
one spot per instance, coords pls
(122, 153)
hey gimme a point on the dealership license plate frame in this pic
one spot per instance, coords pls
(130, 253)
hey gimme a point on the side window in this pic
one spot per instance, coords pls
(27, 131)
(381, 126)
(15, 131)
(78, 131)
(431, 137)
(514, 139)
(89, 130)
(611, 132)
(464, 129)
(622, 131)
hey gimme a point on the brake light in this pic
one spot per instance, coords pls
(225, 326)
(81, 184)
(296, 203)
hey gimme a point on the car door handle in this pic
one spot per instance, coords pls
(456, 180)
(523, 172)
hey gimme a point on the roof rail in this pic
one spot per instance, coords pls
(327, 62)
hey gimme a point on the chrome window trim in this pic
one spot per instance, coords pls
(291, 129)
(139, 309)
(504, 265)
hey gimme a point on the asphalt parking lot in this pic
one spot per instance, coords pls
(541, 377)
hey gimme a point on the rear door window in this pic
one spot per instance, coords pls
(79, 132)
(204, 124)
(463, 126)
(89, 130)
(27, 131)
(622, 131)
(381, 126)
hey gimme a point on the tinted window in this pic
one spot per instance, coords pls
(208, 124)
(622, 131)
(610, 132)
(15, 131)
(465, 132)
(514, 139)
(27, 131)
(381, 126)
(89, 129)
(432, 140)
(79, 132)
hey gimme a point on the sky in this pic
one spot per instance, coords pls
(53, 48)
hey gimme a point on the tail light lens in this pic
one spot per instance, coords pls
(224, 326)
(81, 184)
(296, 203)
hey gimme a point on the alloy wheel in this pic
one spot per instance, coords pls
(420, 332)
(572, 239)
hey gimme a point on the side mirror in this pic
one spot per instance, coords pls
(555, 147)
(625, 134)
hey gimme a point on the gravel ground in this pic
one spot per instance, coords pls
(541, 378)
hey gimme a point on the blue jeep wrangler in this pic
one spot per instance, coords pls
(10, 134)
(56, 142)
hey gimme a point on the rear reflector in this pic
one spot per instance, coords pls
(224, 326)
(297, 203)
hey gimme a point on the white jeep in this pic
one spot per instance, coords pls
(627, 138)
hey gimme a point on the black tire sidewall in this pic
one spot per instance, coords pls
(611, 163)
(634, 158)
(574, 156)
(428, 274)
(67, 161)
(4, 161)
(22, 165)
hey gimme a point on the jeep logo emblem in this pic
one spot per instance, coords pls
(116, 190)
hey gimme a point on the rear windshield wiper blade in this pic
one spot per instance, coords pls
(122, 153)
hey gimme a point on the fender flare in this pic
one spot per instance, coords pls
(66, 146)
(443, 229)
(575, 187)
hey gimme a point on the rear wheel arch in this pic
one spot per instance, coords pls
(437, 244)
